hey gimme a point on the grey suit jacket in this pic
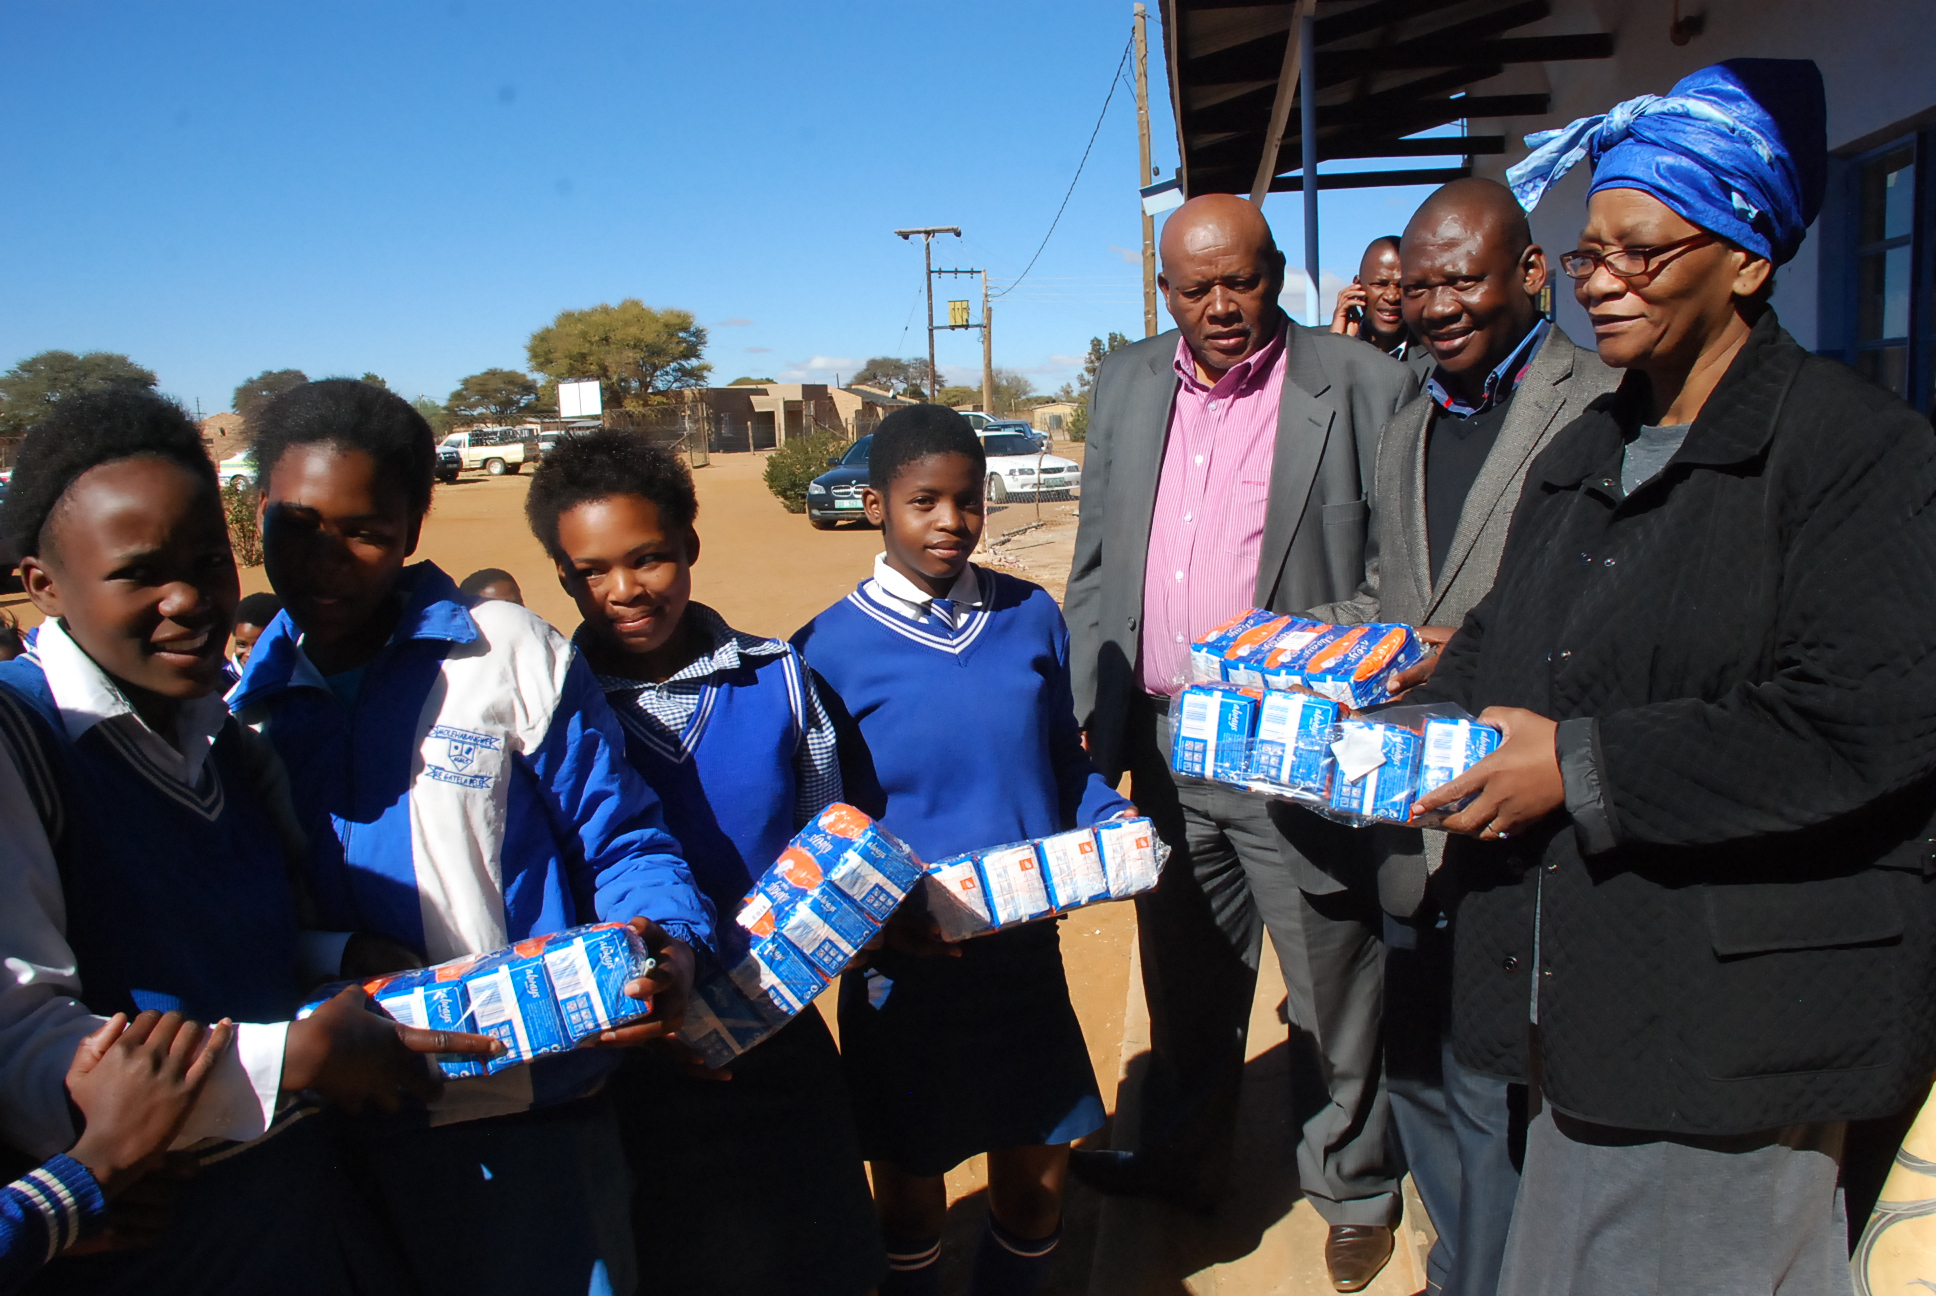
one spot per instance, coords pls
(1398, 586)
(1337, 394)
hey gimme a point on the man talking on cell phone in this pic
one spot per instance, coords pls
(1369, 307)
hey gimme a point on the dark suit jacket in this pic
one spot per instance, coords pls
(1338, 393)
(1398, 586)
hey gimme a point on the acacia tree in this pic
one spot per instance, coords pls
(31, 388)
(636, 353)
(890, 375)
(257, 391)
(502, 396)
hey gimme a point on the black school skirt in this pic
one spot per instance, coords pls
(951, 1057)
(752, 1184)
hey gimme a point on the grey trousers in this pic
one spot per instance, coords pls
(1616, 1212)
(1201, 934)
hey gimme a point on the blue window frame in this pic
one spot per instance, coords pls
(1879, 249)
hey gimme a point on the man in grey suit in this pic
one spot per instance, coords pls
(1450, 469)
(1227, 466)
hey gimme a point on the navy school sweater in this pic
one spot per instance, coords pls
(958, 740)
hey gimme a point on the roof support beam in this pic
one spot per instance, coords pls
(1372, 179)
(1280, 114)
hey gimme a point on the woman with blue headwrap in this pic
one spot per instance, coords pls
(1695, 898)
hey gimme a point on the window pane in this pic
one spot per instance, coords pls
(1885, 366)
(1882, 288)
(1888, 195)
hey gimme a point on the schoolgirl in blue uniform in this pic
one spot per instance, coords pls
(729, 730)
(464, 786)
(951, 686)
(141, 868)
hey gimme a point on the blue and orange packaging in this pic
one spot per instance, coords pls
(1246, 662)
(774, 971)
(1448, 749)
(1072, 869)
(1284, 667)
(1386, 792)
(1015, 889)
(722, 1022)
(956, 899)
(589, 968)
(1292, 748)
(842, 848)
(1248, 645)
(1129, 856)
(433, 998)
(1211, 737)
(511, 1000)
(1207, 653)
(1354, 672)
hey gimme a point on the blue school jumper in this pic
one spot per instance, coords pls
(773, 1196)
(473, 792)
(727, 781)
(180, 897)
(959, 738)
(42, 1213)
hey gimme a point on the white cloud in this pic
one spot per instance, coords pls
(759, 350)
(1067, 362)
(826, 364)
(1292, 298)
(734, 322)
(1134, 256)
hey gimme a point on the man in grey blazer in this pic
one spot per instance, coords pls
(1450, 469)
(1227, 465)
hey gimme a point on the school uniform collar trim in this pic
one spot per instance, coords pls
(88, 698)
(911, 614)
(726, 649)
(434, 609)
(904, 596)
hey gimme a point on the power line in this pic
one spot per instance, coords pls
(1114, 80)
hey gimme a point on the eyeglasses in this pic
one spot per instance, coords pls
(1626, 263)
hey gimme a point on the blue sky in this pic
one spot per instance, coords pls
(411, 189)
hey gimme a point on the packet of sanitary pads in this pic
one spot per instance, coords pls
(1287, 637)
(1112, 861)
(1448, 749)
(1211, 738)
(1377, 772)
(1207, 653)
(1354, 670)
(1292, 750)
(541, 996)
(1284, 667)
(808, 916)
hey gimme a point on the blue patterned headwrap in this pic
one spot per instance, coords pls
(1739, 149)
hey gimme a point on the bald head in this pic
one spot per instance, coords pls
(1221, 276)
(1473, 204)
(1471, 276)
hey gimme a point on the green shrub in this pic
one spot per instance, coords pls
(238, 503)
(799, 461)
(1077, 426)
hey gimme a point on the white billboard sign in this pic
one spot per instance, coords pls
(580, 400)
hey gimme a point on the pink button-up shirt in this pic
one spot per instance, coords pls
(1210, 498)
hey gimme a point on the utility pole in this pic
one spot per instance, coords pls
(958, 319)
(1143, 172)
(1308, 128)
(927, 233)
(987, 350)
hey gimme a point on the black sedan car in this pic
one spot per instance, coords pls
(449, 464)
(834, 496)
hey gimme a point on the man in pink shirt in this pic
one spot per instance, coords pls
(1226, 468)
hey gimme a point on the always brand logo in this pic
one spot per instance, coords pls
(463, 756)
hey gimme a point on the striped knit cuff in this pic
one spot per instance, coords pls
(905, 1255)
(68, 1199)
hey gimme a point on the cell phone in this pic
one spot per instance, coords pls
(1353, 315)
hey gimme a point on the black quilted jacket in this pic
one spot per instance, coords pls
(1749, 940)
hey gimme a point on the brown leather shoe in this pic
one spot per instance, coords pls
(1354, 1253)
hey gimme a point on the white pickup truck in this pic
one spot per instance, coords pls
(496, 450)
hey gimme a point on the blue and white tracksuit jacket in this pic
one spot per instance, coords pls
(474, 793)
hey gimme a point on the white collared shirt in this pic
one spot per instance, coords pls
(898, 592)
(41, 1019)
